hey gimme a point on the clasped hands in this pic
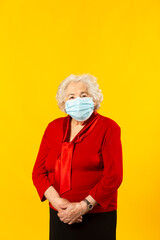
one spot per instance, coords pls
(71, 212)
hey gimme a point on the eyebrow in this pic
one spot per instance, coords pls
(73, 93)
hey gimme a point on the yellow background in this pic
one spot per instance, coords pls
(43, 42)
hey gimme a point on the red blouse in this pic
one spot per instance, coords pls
(91, 164)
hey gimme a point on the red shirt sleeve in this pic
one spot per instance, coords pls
(39, 173)
(112, 177)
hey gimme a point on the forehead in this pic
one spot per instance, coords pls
(76, 86)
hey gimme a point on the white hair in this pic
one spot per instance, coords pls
(92, 86)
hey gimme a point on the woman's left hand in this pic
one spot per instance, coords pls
(71, 212)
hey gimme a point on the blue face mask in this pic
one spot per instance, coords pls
(80, 108)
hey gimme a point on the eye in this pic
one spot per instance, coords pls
(84, 95)
(71, 97)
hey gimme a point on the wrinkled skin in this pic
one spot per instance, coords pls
(70, 212)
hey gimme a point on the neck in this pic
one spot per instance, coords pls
(75, 122)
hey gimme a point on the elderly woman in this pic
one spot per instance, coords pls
(79, 164)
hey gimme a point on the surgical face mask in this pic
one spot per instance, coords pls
(80, 108)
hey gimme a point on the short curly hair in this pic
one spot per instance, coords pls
(92, 86)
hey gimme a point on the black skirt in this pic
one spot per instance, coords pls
(94, 226)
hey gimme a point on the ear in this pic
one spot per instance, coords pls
(95, 103)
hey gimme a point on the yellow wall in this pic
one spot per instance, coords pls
(41, 43)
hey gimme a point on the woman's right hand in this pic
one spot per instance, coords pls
(60, 201)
